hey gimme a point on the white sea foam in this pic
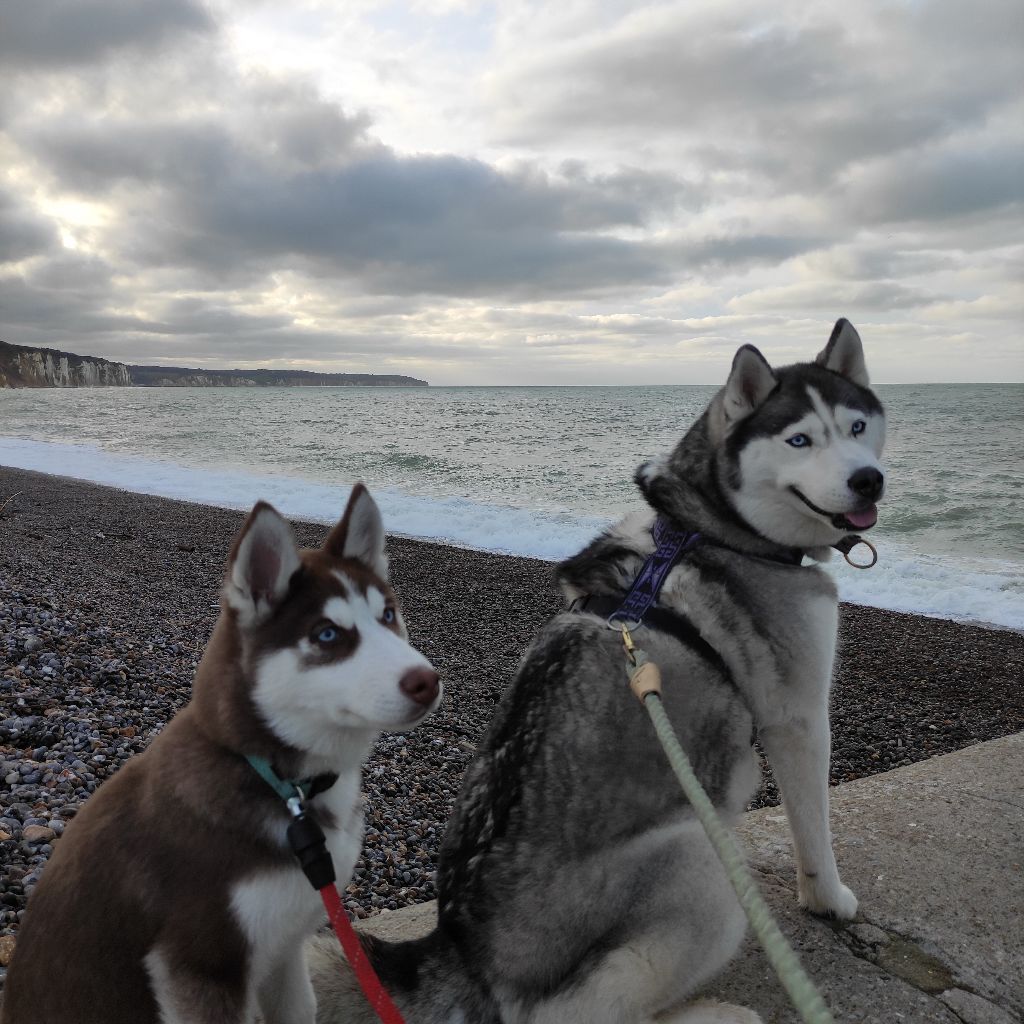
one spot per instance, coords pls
(978, 591)
(904, 580)
(451, 520)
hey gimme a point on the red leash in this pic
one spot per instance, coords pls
(306, 839)
(374, 991)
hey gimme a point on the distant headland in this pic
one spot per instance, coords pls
(25, 367)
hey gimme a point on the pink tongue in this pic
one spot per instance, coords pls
(864, 519)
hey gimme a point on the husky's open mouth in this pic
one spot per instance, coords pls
(863, 519)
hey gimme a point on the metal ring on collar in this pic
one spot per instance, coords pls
(862, 565)
(617, 620)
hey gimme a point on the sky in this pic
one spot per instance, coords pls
(516, 192)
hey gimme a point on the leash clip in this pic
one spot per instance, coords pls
(627, 642)
(643, 674)
(308, 843)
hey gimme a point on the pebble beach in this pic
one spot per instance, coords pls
(107, 599)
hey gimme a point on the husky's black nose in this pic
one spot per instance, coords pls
(420, 685)
(867, 482)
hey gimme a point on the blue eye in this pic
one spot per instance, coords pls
(858, 428)
(326, 635)
(799, 441)
(388, 617)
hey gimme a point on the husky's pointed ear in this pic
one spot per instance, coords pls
(360, 533)
(262, 562)
(750, 382)
(845, 354)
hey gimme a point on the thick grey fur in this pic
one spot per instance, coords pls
(575, 885)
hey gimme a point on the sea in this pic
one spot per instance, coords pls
(537, 471)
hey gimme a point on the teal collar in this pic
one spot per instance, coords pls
(291, 789)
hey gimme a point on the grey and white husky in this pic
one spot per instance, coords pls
(575, 886)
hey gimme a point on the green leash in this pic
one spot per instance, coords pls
(645, 682)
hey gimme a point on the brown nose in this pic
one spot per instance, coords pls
(421, 685)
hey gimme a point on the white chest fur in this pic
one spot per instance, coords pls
(277, 910)
(779, 644)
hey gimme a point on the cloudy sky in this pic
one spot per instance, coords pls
(514, 192)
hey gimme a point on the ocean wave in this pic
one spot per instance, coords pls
(986, 592)
(983, 592)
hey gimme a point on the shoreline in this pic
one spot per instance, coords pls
(9, 473)
(962, 586)
(107, 598)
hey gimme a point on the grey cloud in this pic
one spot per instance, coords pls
(261, 126)
(982, 234)
(69, 294)
(738, 251)
(655, 192)
(81, 289)
(23, 232)
(52, 317)
(932, 186)
(789, 100)
(38, 311)
(72, 273)
(436, 224)
(221, 185)
(871, 297)
(328, 349)
(331, 349)
(213, 318)
(29, 315)
(301, 126)
(619, 325)
(95, 157)
(67, 33)
(275, 176)
(875, 260)
(664, 77)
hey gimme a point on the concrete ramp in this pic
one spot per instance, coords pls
(935, 852)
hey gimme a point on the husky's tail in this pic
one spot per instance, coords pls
(424, 977)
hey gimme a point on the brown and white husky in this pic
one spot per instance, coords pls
(173, 896)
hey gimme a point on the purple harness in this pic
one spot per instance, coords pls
(669, 546)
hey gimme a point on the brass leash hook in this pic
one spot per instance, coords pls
(644, 676)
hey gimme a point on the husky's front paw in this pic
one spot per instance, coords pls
(835, 900)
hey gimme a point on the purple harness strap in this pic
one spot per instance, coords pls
(670, 545)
